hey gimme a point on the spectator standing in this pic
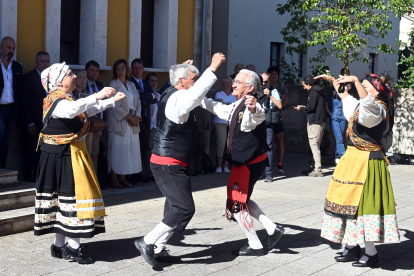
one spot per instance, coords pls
(338, 121)
(237, 69)
(278, 129)
(33, 94)
(272, 105)
(251, 67)
(152, 78)
(10, 89)
(124, 153)
(316, 113)
(80, 83)
(93, 86)
(147, 98)
(225, 96)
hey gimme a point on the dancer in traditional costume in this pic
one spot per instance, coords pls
(174, 147)
(246, 150)
(359, 205)
(68, 198)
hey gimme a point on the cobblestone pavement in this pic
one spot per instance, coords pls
(292, 200)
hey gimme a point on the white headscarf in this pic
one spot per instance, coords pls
(53, 76)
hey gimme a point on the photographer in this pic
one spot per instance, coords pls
(272, 105)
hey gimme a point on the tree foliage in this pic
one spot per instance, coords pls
(406, 63)
(345, 28)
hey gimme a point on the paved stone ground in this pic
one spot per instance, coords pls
(293, 201)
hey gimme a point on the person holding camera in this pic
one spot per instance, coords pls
(272, 105)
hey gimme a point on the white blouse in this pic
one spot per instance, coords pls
(225, 112)
(68, 110)
(371, 113)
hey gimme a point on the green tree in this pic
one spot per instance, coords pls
(344, 28)
(406, 63)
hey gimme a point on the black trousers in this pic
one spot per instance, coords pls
(144, 140)
(256, 171)
(31, 157)
(174, 183)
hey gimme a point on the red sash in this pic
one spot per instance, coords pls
(238, 189)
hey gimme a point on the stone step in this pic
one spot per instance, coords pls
(17, 197)
(8, 178)
(16, 221)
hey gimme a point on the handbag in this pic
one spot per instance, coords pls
(97, 124)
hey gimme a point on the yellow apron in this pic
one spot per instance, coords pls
(347, 183)
(89, 202)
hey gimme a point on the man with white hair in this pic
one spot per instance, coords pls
(175, 142)
(246, 150)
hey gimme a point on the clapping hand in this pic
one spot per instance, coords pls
(106, 92)
(119, 96)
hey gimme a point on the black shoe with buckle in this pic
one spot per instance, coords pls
(76, 255)
(246, 250)
(372, 261)
(147, 251)
(352, 255)
(56, 252)
(275, 237)
(164, 253)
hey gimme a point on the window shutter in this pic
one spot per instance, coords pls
(69, 31)
(147, 32)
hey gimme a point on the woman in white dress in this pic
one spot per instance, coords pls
(124, 155)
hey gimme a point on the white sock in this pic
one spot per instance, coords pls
(258, 214)
(251, 234)
(74, 243)
(162, 241)
(157, 232)
(347, 248)
(370, 250)
(59, 240)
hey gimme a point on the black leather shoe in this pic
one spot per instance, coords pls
(56, 251)
(147, 251)
(246, 250)
(352, 255)
(275, 237)
(76, 255)
(372, 261)
(164, 253)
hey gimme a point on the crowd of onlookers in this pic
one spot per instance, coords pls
(131, 124)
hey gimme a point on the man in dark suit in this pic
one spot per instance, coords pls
(10, 88)
(147, 98)
(93, 86)
(31, 110)
(165, 87)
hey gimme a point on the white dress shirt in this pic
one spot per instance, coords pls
(68, 110)
(180, 103)
(90, 88)
(225, 112)
(371, 113)
(153, 112)
(8, 95)
(140, 82)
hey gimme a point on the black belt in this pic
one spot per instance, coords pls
(7, 105)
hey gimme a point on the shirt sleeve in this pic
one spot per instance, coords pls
(276, 95)
(223, 111)
(100, 106)
(371, 113)
(251, 120)
(349, 105)
(68, 110)
(183, 101)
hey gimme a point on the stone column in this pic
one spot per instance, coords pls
(52, 26)
(8, 21)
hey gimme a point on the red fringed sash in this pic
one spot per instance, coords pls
(238, 189)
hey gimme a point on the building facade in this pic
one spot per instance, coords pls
(161, 32)
(249, 32)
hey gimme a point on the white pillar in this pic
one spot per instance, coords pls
(135, 19)
(93, 31)
(8, 20)
(52, 36)
(165, 33)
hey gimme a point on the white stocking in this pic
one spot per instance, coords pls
(74, 243)
(347, 248)
(251, 234)
(59, 240)
(258, 214)
(162, 241)
(157, 232)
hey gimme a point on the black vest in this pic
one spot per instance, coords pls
(177, 141)
(59, 126)
(244, 147)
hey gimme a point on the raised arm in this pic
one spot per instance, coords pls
(217, 108)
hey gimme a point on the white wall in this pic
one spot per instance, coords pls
(253, 26)
(406, 24)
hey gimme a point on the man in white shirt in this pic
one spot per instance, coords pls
(174, 145)
(10, 89)
(93, 86)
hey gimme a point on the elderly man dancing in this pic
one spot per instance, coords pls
(246, 150)
(174, 147)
